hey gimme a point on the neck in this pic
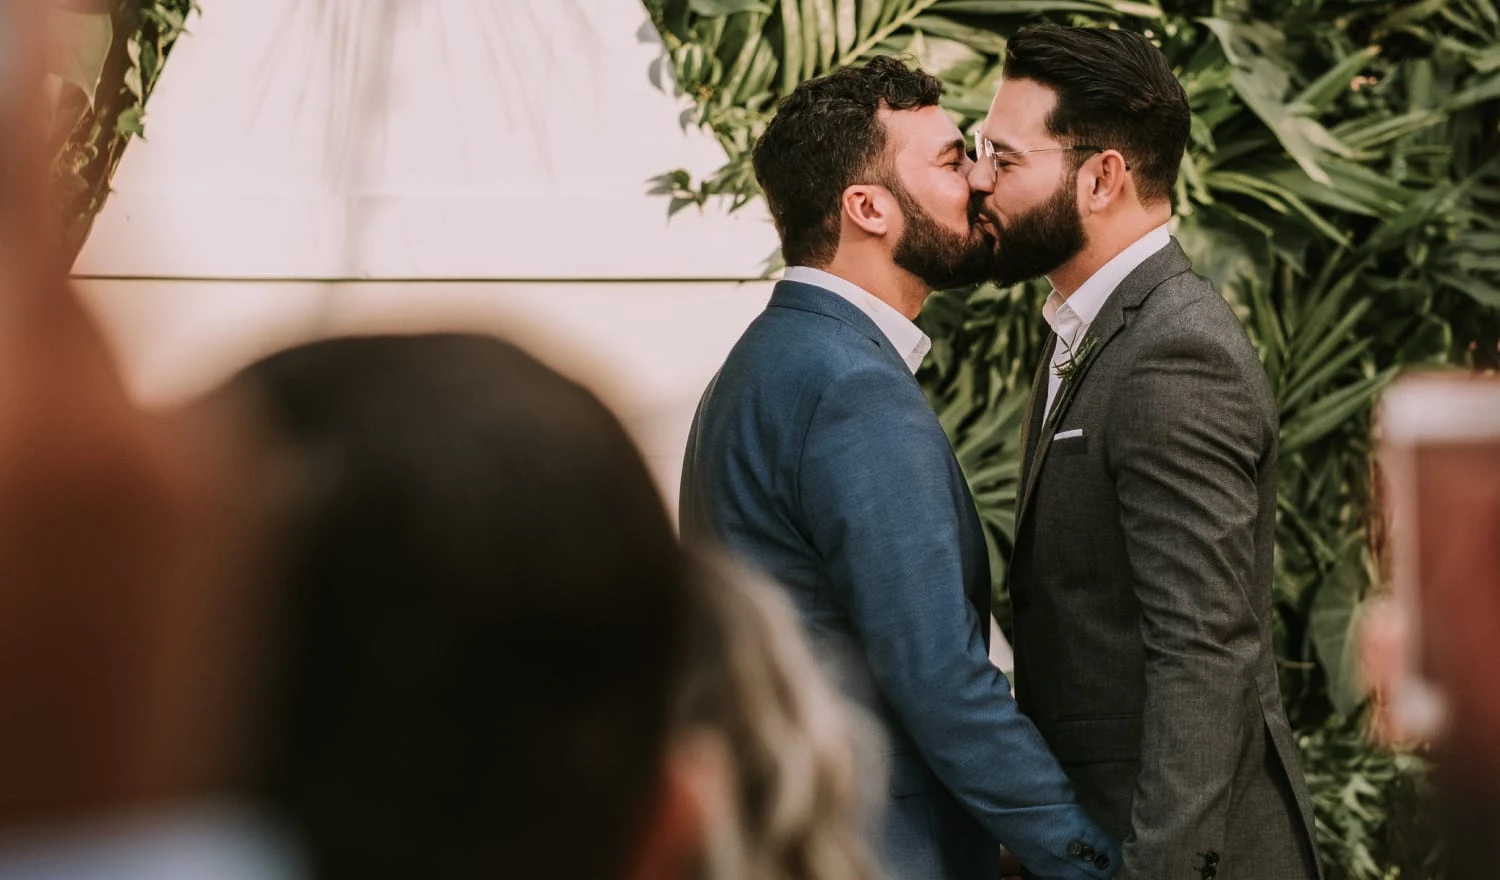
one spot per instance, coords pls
(1105, 242)
(887, 282)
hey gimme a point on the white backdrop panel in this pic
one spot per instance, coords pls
(416, 139)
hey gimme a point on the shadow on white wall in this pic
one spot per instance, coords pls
(317, 167)
(398, 139)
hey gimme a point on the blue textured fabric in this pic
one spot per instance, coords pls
(815, 457)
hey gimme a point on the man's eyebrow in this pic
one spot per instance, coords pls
(954, 146)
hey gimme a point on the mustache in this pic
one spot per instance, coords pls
(976, 207)
(979, 210)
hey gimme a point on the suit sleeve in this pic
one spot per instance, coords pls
(1189, 436)
(877, 495)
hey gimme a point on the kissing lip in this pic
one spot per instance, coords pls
(986, 226)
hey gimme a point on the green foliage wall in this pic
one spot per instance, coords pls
(109, 55)
(1343, 190)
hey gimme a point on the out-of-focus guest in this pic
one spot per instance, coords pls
(125, 541)
(1431, 649)
(476, 635)
(459, 662)
(805, 779)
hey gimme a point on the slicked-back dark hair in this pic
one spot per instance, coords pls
(1114, 89)
(825, 137)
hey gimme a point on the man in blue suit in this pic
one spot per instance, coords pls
(815, 456)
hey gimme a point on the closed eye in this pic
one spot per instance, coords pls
(952, 155)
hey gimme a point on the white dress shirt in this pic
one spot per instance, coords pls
(909, 340)
(1070, 317)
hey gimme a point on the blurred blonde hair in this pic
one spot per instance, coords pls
(805, 770)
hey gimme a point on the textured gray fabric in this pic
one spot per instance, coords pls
(1141, 583)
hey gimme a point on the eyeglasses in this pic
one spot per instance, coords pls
(986, 150)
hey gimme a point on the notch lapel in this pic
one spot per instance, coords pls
(1166, 263)
(1032, 427)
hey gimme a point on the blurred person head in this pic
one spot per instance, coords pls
(804, 775)
(466, 666)
(1079, 152)
(862, 167)
(475, 625)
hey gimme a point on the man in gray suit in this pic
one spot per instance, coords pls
(815, 456)
(1142, 569)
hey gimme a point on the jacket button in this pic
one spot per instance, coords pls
(1075, 849)
(1101, 862)
(1211, 860)
(1210, 872)
(1087, 854)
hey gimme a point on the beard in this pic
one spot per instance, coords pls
(941, 258)
(1041, 240)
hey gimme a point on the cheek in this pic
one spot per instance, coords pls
(945, 198)
(945, 184)
(956, 197)
(1003, 201)
(1014, 187)
(1017, 192)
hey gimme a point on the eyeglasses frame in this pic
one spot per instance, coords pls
(985, 149)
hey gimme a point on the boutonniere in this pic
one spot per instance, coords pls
(1068, 369)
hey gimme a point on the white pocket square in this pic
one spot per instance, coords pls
(1068, 435)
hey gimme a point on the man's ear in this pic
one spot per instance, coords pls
(1103, 180)
(869, 207)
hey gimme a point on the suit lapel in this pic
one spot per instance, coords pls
(1132, 292)
(1065, 394)
(1033, 424)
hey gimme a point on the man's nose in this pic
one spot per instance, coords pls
(982, 177)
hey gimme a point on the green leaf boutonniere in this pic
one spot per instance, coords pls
(1068, 369)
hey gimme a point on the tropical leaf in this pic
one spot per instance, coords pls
(1333, 624)
(719, 8)
(1327, 414)
(81, 45)
(111, 60)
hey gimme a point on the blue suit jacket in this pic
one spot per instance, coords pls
(815, 456)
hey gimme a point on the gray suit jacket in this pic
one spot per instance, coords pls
(1141, 583)
(815, 456)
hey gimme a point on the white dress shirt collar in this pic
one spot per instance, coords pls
(1071, 317)
(909, 340)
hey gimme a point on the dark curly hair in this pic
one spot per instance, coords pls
(825, 137)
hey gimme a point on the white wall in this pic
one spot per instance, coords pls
(319, 167)
(647, 347)
(316, 167)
